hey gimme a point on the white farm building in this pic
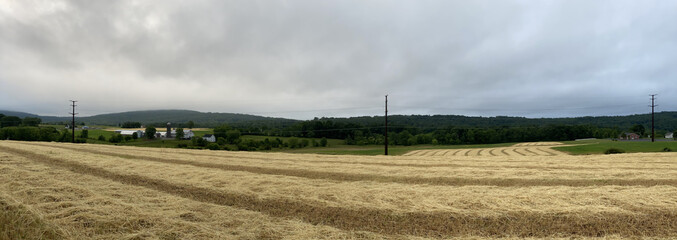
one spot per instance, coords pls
(139, 133)
(209, 137)
(187, 134)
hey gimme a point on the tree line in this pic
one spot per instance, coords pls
(374, 133)
(28, 129)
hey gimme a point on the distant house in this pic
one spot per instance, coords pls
(669, 135)
(85, 128)
(139, 133)
(209, 137)
(629, 136)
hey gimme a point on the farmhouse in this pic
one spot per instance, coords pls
(209, 137)
(629, 136)
(139, 133)
(669, 135)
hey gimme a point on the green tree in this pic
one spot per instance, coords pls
(131, 125)
(180, 134)
(30, 121)
(221, 131)
(135, 135)
(84, 133)
(10, 121)
(213, 146)
(190, 124)
(233, 136)
(323, 142)
(201, 142)
(639, 129)
(221, 141)
(116, 138)
(150, 132)
(294, 143)
(65, 136)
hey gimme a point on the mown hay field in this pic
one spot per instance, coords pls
(520, 149)
(57, 190)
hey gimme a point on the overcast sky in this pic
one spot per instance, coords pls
(303, 59)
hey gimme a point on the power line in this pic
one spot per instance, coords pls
(73, 123)
(386, 125)
(653, 105)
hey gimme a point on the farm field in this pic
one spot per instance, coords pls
(76, 191)
(520, 149)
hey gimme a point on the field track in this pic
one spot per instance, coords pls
(520, 149)
(100, 191)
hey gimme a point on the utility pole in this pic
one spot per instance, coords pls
(73, 122)
(386, 135)
(653, 132)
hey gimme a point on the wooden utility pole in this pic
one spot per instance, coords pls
(653, 132)
(386, 135)
(73, 122)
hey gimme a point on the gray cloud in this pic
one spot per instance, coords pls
(303, 59)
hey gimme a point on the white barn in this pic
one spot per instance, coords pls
(669, 135)
(187, 134)
(139, 133)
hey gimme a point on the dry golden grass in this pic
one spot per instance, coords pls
(18, 222)
(630, 195)
(537, 144)
(516, 150)
(86, 206)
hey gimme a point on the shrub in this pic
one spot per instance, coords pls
(667, 149)
(102, 138)
(182, 145)
(613, 151)
(116, 138)
(213, 146)
(84, 133)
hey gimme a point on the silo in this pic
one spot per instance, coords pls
(169, 130)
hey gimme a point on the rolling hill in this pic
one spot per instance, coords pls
(163, 116)
(665, 121)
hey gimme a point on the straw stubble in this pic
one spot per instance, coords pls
(367, 197)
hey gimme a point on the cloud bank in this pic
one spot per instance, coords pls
(304, 59)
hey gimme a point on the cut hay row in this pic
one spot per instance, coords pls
(19, 222)
(85, 203)
(487, 176)
(578, 166)
(347, 193)
(632, 221)
(502, 152)
(637, 161)
(531, 144)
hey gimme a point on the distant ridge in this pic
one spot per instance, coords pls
(164, 116)
(666, 121)
(17, 114)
